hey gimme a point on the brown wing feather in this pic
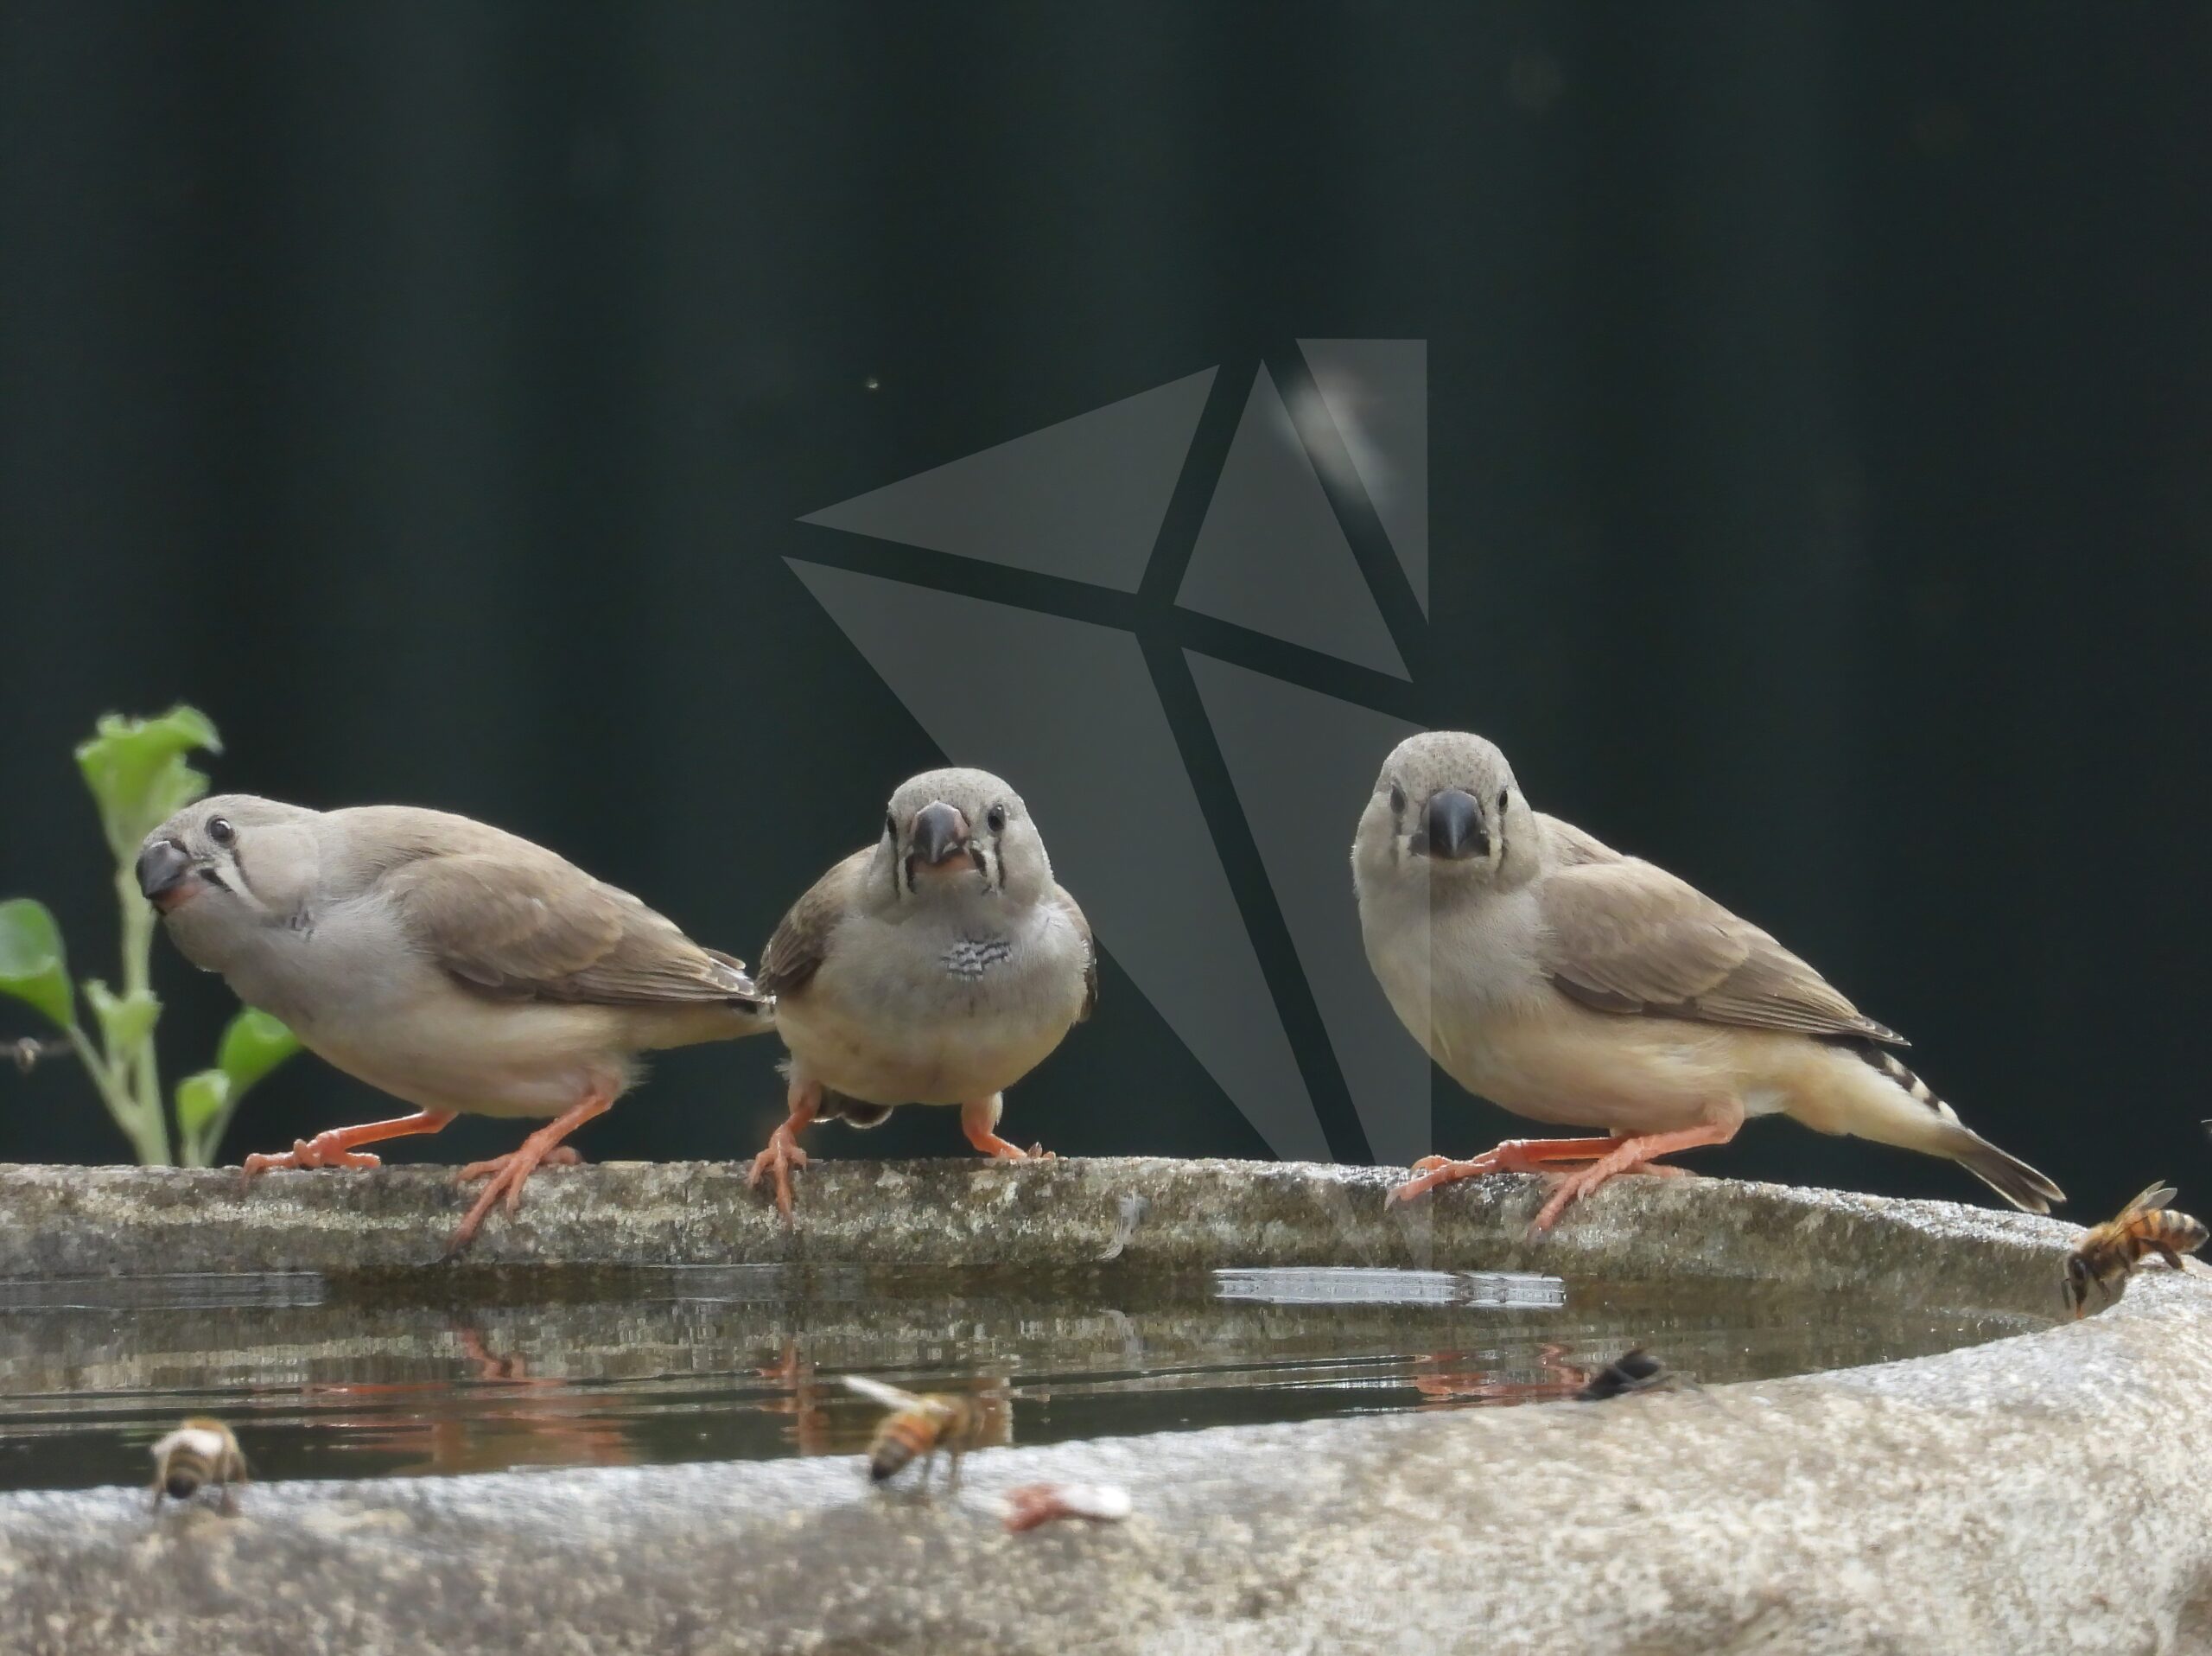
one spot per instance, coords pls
(1629, 937)
(1090, 953)
(794, 954)
(518, 922)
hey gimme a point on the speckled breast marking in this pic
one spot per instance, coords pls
(971, 957)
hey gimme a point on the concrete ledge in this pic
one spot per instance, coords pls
(2044, 1492)
(966, 1215)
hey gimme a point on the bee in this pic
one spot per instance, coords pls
(918, 1425)
(1632, 1371)
(200, 1453)
(2107, 1253)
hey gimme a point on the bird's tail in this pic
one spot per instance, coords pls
(2002, 1172)
(2006, 1174)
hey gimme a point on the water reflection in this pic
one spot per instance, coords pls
(682, 1365)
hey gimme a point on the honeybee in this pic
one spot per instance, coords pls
(1632, 1371)
(2107, 1253)
(919, 1424)
(200, 1452)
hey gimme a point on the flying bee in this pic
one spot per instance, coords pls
(2108, 1253)
(200, 1453)
(919, 1424)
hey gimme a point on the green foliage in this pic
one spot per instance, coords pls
(32, 966)
(136, 771)
(254, 1044)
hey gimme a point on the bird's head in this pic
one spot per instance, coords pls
(224, 868)
(1445, 806)
(949, 834)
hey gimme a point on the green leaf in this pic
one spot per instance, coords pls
(201, 1099)
(32, 967)
(254, 1044)
(135, 770)
(125, 1021)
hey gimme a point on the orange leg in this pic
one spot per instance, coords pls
(979, 1118)
(506, 1173)
(1514, 1156)
(1633, 1156)
(783, 1153)
(1607, 1158)
(335, 1148)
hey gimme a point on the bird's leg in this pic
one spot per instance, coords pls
(978, 1119)
(1633, 1156)
(783, 1153)
(335, 1148)
(1514, 1156)
(505, 1174)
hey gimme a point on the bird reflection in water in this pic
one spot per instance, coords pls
(1459, 1380)
(520, 1419)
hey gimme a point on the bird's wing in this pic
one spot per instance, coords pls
(876, 1392)
(795, 953)
(1627, 936)
(516, 921)
(1090, 953)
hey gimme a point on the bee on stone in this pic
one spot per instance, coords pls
(2107, 1254)
(919, 1424)
(201, 1454)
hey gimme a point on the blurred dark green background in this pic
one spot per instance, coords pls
(1821, 433)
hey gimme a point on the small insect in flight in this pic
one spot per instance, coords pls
(1632, 1371)
(917, 1424)
(199, 1454)
(2108, 1253)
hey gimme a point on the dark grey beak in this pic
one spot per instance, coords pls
(161, 866)
(1451, 826)
(940, 833)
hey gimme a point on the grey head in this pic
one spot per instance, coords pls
(225, 868)
(1446, 807)
(954, 836)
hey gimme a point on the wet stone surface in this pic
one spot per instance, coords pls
(2043, 1490)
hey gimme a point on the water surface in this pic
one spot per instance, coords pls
(739, 1363)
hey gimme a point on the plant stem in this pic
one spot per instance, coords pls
(149, 1126)
(151, 1149)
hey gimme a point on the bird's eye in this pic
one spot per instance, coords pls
(891, 824)
(219, 831)
(1503, 795)
(1397, 800)
(995, 818)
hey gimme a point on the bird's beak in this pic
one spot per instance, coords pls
(940, 834)
(1451, 827)
(163, 869)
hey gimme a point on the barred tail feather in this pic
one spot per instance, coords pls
(2005, 1174)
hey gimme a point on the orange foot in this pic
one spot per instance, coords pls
(1607, 1159)
(783, 1154)
(504, 1176)
(335, 1148)
(979, 1118)
(1514, 1156)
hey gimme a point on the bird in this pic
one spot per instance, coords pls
(939, 966)
(1546, 971)
(454, 965)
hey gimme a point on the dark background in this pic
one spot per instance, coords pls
(1821, 429)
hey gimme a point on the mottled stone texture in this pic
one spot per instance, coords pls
(2041, 1494)
(116, 1221)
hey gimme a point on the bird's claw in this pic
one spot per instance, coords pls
(782, 1155)
(320, 1151)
